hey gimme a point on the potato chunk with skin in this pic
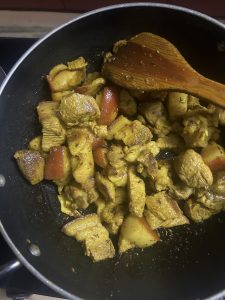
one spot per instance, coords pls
(31, 164)
(78, 109)
(106, 187)
(57, 165)
(53, 133)
(135, 232)
(191, 169)
(95, 237)
(214, 157)
(136, 191)
(163, 211)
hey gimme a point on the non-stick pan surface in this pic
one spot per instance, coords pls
(189, 263)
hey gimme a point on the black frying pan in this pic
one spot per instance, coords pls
(190, 263)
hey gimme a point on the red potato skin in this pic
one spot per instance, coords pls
(214, 157)
(109, 105)
(217, 164)
(98, 143)
(54, 164)
(98, 148)
(100, 159)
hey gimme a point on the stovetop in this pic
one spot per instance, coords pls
(20, 284)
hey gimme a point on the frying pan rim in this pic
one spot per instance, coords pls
(21, 258)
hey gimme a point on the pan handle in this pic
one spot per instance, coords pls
(9, 267)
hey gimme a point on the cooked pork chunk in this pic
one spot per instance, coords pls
(135, 232)
(170, 142)
(127, 104)
(163, 211)
(136, 190)
(113, 215)
(218, 186)
(163, 180)
(197, 211)
(177, 104)
(31, 164)
(191, 169)
(95, 237)
(130, 132)
(53, 133)
(77, 196)
(210, 200)
(76, 108)
(195, 132)
(106, 187)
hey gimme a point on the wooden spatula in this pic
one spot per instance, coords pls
(149, 62)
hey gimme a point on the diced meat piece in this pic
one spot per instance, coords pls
(115, 156)
(214, 157)
(177, 104)
(31, 164)
(82, 161)
(130, 132)
(77, 108)
(210, 200)
(195, 132)
(91, 88)
(35, 144)
(76, 195)
(170, 142)
(136, 191)
(191, 169)
(181, 191)
(67, 207)
(106, 187)
(218, 186)
(109, 105)
(63, 78)
(149, 163)
(196, 211)
(53, 133)
(132, 153)
(57, 165)
(100, 251)
(121, 195)
(127, 104)
(80, 224)
(163, 180)
(163, 211)
(113, 215)
(89, 187)
(155, 114)
(118, 176)
(77, 139)
(152, 111)
(89, 230)
(135, 232)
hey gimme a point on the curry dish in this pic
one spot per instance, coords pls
(141, 160)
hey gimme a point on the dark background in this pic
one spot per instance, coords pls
(215, 8)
